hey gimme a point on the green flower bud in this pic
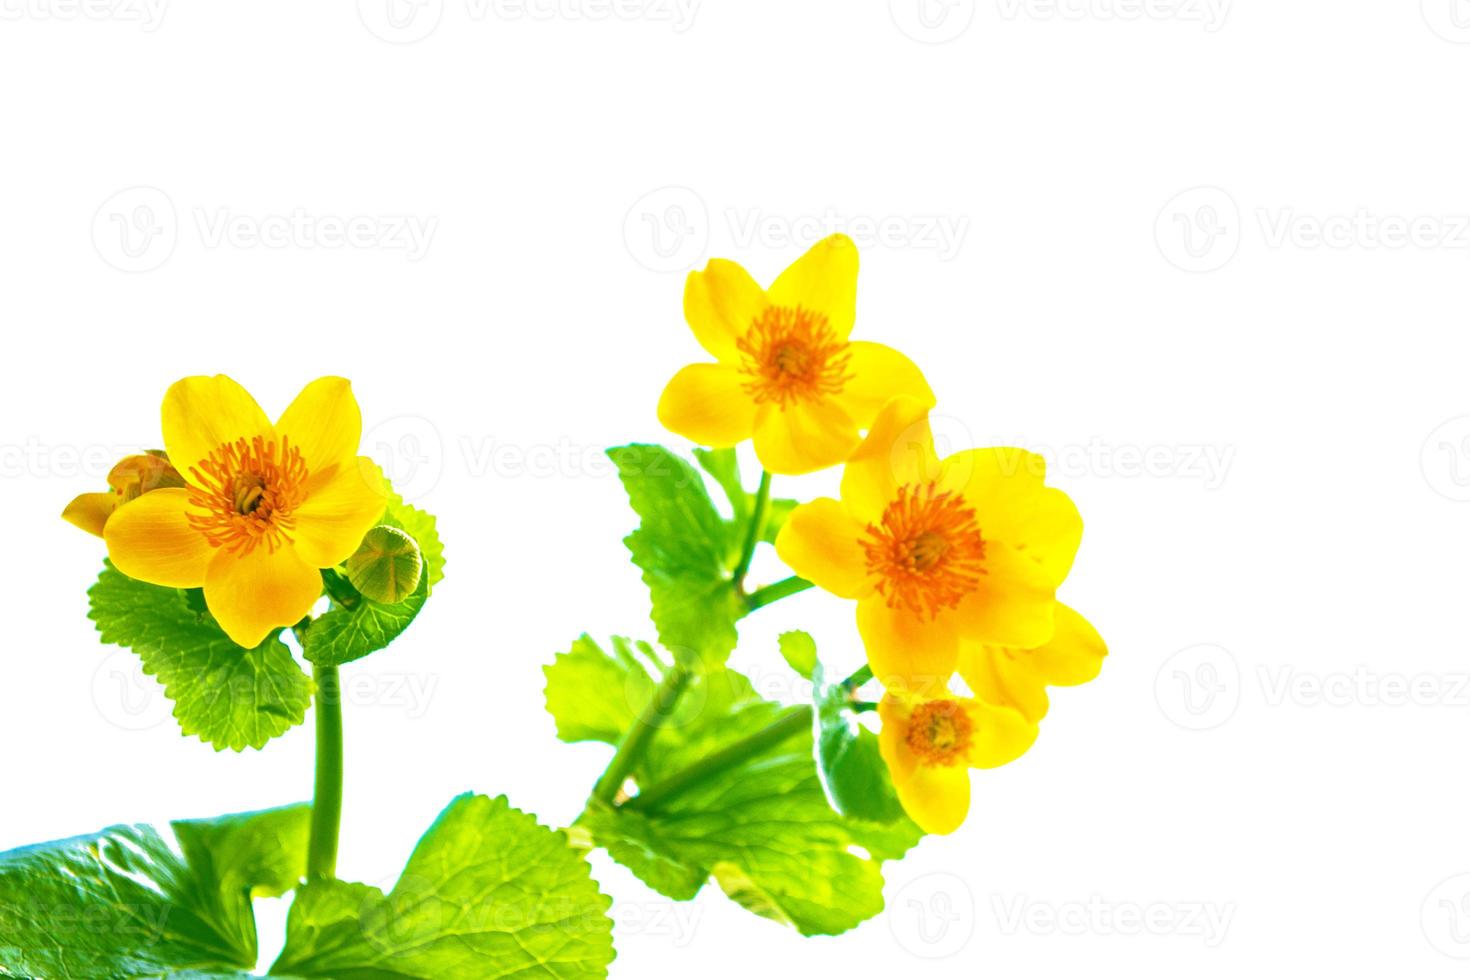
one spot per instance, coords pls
(387, 565)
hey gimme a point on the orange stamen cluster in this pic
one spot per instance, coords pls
(246, 491)
(940, 732)
(926, 552)
(791, 353)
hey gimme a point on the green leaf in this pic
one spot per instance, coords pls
(724, 467)
(356, 626)
(853, 770)
(683, 548)
(763, 829)
(593, 696)
(800, 652)
(487, 893)
(133, 902)
(228, 696)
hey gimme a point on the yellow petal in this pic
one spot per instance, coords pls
(898, 450)
(323, 422)
(1001, 676)
(823, 280)
(877, 374)
(1005, 486)
(822, 542)
(706, 403)
(254, 592)
(200, 414)
(150, 539)
(720, 304)
(937, 798)
(342, 504)
(906, 650)
(803, 437)
(1012, 606)
(999, 735)
(1073, 656)
(90, 511)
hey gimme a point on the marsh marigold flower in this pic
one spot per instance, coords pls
(968, 549)
(1019, 678)
(132, 477)
(264, 508)
(930, 744)
(786, 376)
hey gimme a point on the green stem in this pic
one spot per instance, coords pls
(631, 748)
(777, 590)
(722, 760)
(326, 805)
(737, 752)
(757, 525)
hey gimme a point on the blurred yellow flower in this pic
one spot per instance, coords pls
(971, 548)
(1019, 678)
(930, 744)
(265, 506)
(786, 376)
(132, 477)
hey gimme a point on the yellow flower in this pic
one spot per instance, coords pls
(787, 375)
(132, 477)
(265, 506)
(931, 744)
(970, 548)
(1019, 678)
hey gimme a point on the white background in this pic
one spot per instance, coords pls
(1175, 233)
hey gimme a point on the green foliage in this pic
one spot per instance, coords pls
(487, 893)
(228, 696)
(596, 697)
(356, 626)
(724, 467)
(129, 902)
(853, 771)
(683, 546)
(800, 652)
(761, 826)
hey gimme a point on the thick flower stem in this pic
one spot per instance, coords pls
(326, 805)
(737, 752)
(635, 742)
(778, 590)
(718, 762)
(757, 525)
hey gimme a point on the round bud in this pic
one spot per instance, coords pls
(387, 565)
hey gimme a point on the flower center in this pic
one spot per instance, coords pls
(247, 491)
(792, 353)
(939, 732)
(926, 551)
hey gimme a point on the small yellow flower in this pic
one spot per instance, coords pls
(787, 374)
(265, 506)
(1019, 678)
(971, 548)
(931, 744)
(132, 477)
